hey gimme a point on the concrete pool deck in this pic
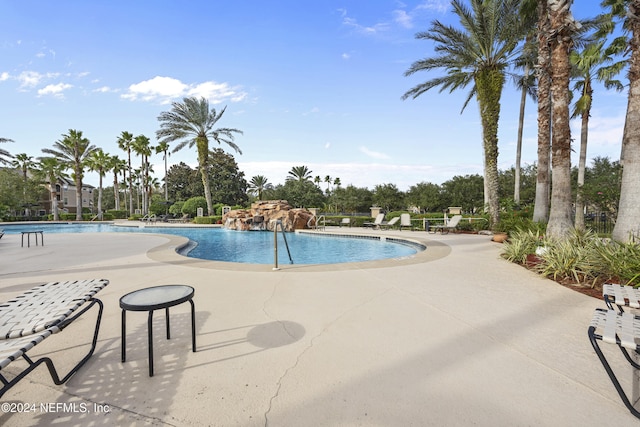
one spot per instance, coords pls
(455, 337)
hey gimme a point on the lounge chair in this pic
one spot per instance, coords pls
(33, 316)
(390, 224)
(449, 226)
(405, 221)
(376, 223)
(346, 222)
(1, 233)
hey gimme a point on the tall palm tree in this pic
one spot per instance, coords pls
(100, 162)
(543, 71)
(52, 171)
(299, 173)
(125, 140)
(4, 154)
(117, 166)
(629, 209)
(73, 149)
(258, 184)
(588, 66)
(479, 54)
(328, 180)
(163, 148)
(190, 122)
(25, 163)
(562, 29)
(142, 147)
(337, 182)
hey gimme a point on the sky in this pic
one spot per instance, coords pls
(310, 83)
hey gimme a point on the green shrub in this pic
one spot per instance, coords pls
(618, 260)
(190, 207)
(522, 243)
(215, 219)
(118, 214)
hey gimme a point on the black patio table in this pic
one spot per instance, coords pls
(156, 298)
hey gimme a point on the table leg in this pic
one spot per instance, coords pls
(22, 241)
(28, 240)
(124, 339)
(150, 333)
(193, 325)
(167, 316)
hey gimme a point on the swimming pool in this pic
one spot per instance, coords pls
(255, 247)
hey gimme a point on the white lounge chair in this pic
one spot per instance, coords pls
(451, 225)
(376, 223)
(405, 221)
(346, 222)
(387, 225)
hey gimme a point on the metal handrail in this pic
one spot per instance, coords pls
(275, 244)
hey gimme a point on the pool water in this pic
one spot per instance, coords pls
(254, 247)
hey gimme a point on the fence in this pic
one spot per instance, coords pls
(599, 222)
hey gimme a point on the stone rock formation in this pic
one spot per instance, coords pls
(264, 214)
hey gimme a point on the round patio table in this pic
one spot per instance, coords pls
(156, 298)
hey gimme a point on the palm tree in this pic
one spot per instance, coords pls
(299, 173)
(24, 162)
(73, 150)
(337, 182)
(328, 180)
(629, 209)
(258, 184)
(117, 166)
(125, 140)
(52, 170)
(192, 123)
(4, 154)
(560, 36)
(163, 148)
(587, 67)
(100, 162)
(479, 54)
(142, 147)
(317, 180)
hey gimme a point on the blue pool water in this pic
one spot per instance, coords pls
(254, 247)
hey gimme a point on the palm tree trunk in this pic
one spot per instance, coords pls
(78, 181)
(116, 191)
(100, 197)
(560, 223)
(629, 210)
(541, 207)
(582, 165)
(489, 85)
(54, 200)
(130, 184)
(523, 101)
(203, 160)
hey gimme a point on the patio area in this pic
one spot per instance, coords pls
(453, 336)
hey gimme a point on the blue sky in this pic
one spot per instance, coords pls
(314, 83)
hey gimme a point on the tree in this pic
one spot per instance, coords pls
(601, 190)
(337, 182)
(142, 146)
(183, 182)
(388, 197)
(228, 185)
(543, 178)
(25, 163)
(117, 166)
(192, 123)
(73, 150)
(258, 184)
(125, 141)
(299, 173)
(328, 180)
(163, 148)
(52, 171)
(629, 209)
(300, 193)
(560, 37)
(100, 162)
(425, 196)
(464, 191)
(4, 154)
(587, 67)
(352, 199)
(478, 54)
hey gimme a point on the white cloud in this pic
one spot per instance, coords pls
(373, 154)
(441, 6)
(29, 79)
(104, 89)
(165, 89)
(55, 90)
(4, 76)
(403, 18)
(346, 56)
(362, 29)
(327, 145)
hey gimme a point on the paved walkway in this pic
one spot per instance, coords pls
(455, 336)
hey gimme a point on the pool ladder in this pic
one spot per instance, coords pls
(275, 244)
(318, 223)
